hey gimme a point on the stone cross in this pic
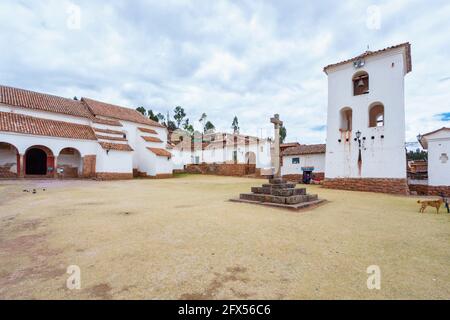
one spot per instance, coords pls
(277, 123)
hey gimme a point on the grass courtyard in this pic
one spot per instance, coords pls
(181, 239)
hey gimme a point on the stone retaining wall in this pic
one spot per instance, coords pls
(393, 186)
(222, 169)
(426, 190)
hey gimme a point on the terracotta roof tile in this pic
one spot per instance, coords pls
(406, 45)
(107, 122)
(151, 139)
(304, 149)
(14, 122)
(113, 111)
(160, 152)
(112, 138)
(40, 101)
(146, 130)
(115, 146)
(108, 131)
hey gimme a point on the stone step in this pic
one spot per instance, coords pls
(296, 199)
(277, 181)
(279, 186)
(288, 192)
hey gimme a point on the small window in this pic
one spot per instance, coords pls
(235, 156)
(360, 83)
(346, 119)
(444, 158)
(295, 160)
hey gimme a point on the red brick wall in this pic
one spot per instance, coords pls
(393, 186)
(423, 189)
(89, 162)
(299, 177)
(114, 176)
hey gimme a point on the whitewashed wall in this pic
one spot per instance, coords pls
(308, 160)
(9, 156)
(380, 157)
(439, 170)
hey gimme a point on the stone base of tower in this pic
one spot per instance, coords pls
(383, 185)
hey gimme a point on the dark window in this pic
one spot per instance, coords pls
(360, 83)
(295, 160)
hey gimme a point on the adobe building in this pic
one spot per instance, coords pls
(366, 121)
(438, 145)
(304, 163)
(42, 135)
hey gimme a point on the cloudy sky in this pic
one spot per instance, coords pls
(246, 58)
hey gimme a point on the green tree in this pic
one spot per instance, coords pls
(283, 133)
(209, 127)
(152, 116)
(179, 115)
(160, 117)
(417, 155)
(141, 110)
(188, 127)
(235, 125)
(75, 98)
(171, 125)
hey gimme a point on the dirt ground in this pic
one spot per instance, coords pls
(181, 239)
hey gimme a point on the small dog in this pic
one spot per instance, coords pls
(432, 203)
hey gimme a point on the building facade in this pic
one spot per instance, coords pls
(304, 163)
(42, 135)
(366, 121)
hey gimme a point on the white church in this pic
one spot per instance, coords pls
(365, 146)
(42, 135)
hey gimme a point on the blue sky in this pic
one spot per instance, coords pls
(246, 58)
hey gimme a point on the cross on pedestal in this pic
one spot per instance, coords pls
(277, 123)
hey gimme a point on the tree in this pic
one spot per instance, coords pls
(141, 110)
(160, 117)
(179, 115)
(171, 126)
(283, 133)
(152, 116)
(209, 127)
(188, 127)
(75, 98)
(417, 155)
(235, 125)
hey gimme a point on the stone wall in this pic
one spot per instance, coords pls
(222, 169)
(89, 162)
(114, 176)
(299, 177)
(426, 190)
(393, 186)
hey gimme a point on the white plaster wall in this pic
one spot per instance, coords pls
(44, 114)
(380, 157)
(114, 161)
(309, 160)
(22, 142)
(438, 172)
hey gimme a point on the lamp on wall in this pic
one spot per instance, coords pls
(358, 134)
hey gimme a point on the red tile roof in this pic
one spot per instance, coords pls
(304, 149)
(44, 102)
(112, 138)
(108, 131)
(147, 130)
(160, 152)
(107, 122)
(113, 111)
(115, 146)
(151, 139)
(406, 45)
(14, 122)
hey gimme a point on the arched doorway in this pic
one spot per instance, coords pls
(9, 160)
(39, 160)
(250, 158)
(69, 163)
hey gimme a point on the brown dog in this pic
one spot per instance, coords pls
(432, 203)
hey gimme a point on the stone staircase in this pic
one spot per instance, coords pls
(279, 193)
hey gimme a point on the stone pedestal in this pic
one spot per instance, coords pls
(279, 193)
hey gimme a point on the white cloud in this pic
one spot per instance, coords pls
(246, 58)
